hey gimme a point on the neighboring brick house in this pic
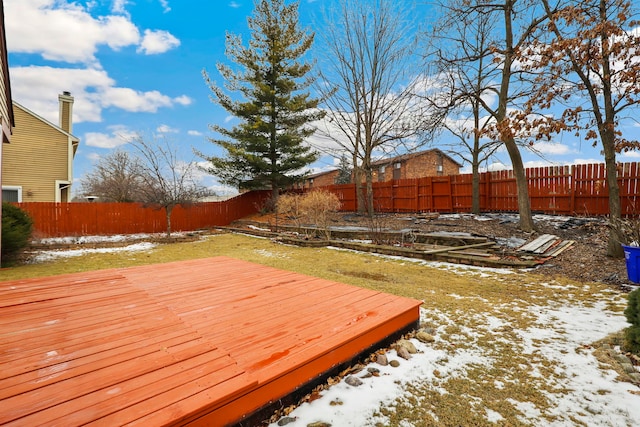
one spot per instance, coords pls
(415, 165)
(320, 179)
(37, 166)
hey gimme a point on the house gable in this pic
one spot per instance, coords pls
(39, 159)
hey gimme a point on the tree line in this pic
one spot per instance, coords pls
(493, 75)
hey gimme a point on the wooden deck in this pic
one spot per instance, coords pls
(200, 342)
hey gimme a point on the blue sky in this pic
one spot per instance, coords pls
(134, 66)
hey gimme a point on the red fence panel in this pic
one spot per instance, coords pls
(569, 190)
(591, 193)
(82, 219)
(462, 190)
(405, 195)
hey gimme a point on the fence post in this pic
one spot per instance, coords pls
(572, 189)
(416, 195)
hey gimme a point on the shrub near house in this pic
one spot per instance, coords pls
(17, 227)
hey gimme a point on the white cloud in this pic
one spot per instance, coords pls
(165, 6)
(37, 88)
(194, 133)
(183, 100)
(629, 155)
(120, 6)
(157, 41)
(166, 129)
(102, 140)
(119, 135)
(538, 164)
(497, 166)
(234, 4)
(552, 148)
(587, 161)
(134, 101)
(63, 31)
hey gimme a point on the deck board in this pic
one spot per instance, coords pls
(199, 342)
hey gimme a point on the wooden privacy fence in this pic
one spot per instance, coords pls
(82, 219)
(567, 190)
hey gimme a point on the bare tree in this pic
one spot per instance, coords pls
(464, 63)
(516, 21)
(369, 92)
(116, 177)
(589, 66)
(167, 180)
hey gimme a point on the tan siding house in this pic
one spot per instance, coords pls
(6, 108)
(38, 164)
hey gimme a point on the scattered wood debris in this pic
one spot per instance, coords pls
(547, 245)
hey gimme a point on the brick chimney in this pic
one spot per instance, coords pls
(66, 111)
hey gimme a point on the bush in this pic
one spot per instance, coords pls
(317, 205)
(632, 312)
(16, 231)
(289, 206)
(313, 206)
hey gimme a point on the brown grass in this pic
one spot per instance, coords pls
(457, 303)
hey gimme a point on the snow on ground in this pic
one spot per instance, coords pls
(45, 256)
(79, 240)
(561, 335)
(590, 394)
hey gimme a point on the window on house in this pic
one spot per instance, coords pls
(381, 170)
(440, 167)
(62, 191)
(11, 194)
(397, 170)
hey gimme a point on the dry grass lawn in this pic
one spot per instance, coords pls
(469, 308)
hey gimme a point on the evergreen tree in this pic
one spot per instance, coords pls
(266, 149)
(344, 171)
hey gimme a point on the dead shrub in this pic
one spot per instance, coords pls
(317, 206)
(314, 207)
(289, 206)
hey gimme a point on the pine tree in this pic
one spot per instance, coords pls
(266, 149)
(344, 171)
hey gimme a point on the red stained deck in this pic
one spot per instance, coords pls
(201, 342)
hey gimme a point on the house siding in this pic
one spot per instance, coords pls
(37, 157)
(327, 178)
(6, 112)
(416, 166)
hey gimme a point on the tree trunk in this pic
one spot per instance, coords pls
(168, 211)
(507, 137)
(475, 187)
(360, 191)
(370, 209)
(524, 205)
(615, 209)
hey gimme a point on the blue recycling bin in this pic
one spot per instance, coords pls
(632, 258)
